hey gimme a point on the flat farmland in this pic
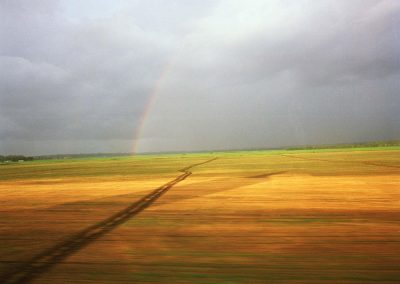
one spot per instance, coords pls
(321, 216)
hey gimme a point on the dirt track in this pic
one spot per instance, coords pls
(44, 261)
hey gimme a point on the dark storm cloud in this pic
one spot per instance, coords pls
(325, 72)
(76, 76)
(70, 78)
(321, 47)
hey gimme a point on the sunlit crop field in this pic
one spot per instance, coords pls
(327, 216)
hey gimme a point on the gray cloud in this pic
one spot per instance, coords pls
(77, 77)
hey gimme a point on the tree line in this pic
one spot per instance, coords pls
(15, 158)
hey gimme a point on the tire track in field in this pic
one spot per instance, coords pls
(341, 161)
(44, 261)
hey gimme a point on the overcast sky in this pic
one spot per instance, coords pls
(103, 76)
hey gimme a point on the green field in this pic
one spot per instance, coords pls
(281, 216)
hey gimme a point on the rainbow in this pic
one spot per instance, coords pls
(156, 90)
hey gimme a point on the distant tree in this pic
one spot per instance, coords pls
(15, 158)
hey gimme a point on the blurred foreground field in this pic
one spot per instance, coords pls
(247, 217)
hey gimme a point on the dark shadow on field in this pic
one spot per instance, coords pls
(43, 225)
(368, 163)
(113, 201)
(66, 218)
(267, 175)
(65, 215)
(41, 236)
(315, 166)
(212, 186)
(29, 232)
(24, 220)
(44, 261)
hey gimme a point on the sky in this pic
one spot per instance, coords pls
(189, 75)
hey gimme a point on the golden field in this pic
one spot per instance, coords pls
(326, 216)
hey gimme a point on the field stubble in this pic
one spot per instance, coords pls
(256, 217)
